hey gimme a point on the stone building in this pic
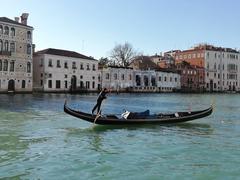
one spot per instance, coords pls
(221, 66)
(192, 77)
(15, 54)
(57, 70)
(117, 78)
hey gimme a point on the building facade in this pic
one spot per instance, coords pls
(192, 77)
(58, 70)
(16, 51)
(221, 66)
(117, 78)
(156, 81)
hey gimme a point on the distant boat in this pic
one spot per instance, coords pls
(139, 117)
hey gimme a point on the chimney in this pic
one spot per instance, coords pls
(24, 18)
(16, 19)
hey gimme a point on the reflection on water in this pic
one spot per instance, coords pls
(39, 141)
(194, 128)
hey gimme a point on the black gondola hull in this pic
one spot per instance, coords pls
(163, 119)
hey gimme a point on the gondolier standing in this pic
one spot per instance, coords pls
(101, 97)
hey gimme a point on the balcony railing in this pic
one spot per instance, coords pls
(5, 53)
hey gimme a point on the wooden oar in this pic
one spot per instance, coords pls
(97, 116)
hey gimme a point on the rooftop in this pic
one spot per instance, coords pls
(7, 20)
(66, 53)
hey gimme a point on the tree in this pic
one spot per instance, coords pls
(103, 61)
(122, 54)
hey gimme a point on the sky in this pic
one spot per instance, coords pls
(94, 27)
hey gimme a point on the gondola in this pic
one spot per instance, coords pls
(139, 118)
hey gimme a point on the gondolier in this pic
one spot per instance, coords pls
(101, 97)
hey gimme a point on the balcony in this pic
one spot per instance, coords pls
(5, 53)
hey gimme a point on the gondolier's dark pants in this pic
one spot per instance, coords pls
(97, 106)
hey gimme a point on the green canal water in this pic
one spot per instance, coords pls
(39, 141)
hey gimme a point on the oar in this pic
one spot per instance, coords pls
(97, 116)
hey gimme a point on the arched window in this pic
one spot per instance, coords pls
(6, 45)
(6, 30)
(12, 66)
(145, 79)
(1, 29)
(28, 67)
(29, 50)
(138, 80)
(153, 80)
(5, 65)
(29, 35)
(12, 32)
(0, 65)
(1, 45)
(12, 47)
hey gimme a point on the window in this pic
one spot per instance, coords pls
(65, 65)
(65, 76)
(74, 65)
(12, 32)
(12, 47)
(93, 67)
(6, 45)
(107, 75)
(87, 84)
(41, 62)
(58, 84)
(50, 63)
(5, 65)
(66, 84)
(28, 67)
(29, 35)
(0, 65)
(122, 77)
(58, 64)
(29, 49)
(93, 85)
(23, 84)
(1, 29)
(165, 78)
(81, 66)
(175, 79)
(12, 66)
(1, 45)
(41, 82)
(6, 30)
(49, 83)
(81, 84)
(88, 68)
(160, 78)
(115, 76)
(50, 75)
